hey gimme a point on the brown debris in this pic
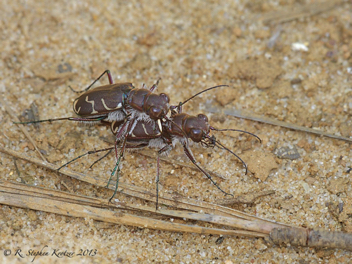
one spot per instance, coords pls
(140, 62)
(260, 163)
(345, 216)
(263, 71)
(52, 74)
(338, 185)
(226, 96)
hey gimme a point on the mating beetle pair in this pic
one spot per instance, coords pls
(138, 118)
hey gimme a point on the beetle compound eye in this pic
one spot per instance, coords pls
(165, 105)
(203, 117)
(196, 135)
(155, 112)
(165, 97)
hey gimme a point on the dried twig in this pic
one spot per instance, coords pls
(36, 198)
(271, 121)
(245, 198)
(139, 192)
(289, 14)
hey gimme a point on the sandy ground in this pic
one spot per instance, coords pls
(280, 60)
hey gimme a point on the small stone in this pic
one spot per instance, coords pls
(287, 153)
(303, 143)
(262, 34)
(310, 180)
(338, 185)
(32, 215)
(346, 130)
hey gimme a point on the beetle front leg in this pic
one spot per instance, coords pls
(119, 158)
(163, 150)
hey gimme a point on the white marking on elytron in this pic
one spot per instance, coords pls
(113, 128)
(92, 103)
(145, 130)
(75, 105)
(159, 124)
(108, 108)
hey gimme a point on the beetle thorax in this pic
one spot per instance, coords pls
(137, 98)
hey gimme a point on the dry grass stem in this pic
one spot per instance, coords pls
(274, 122)
(282, 16)
(36, 198)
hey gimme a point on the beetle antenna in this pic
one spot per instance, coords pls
(208, 89)
(237, 130)
(217, 143)
(190, 156)
(78, 119)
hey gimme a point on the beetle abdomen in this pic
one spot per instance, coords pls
(102, 100)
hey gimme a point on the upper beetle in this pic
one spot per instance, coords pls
(113, 102)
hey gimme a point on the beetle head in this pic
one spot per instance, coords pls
(157, 106)
(197, 127)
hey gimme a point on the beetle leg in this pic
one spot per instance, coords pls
(164, 149)
(85, 154)
(95, 162)
(107, 72)
(127, 147)
(190, 155)
(117, 169)
(122, 131)
(155, 85)
(122, 152)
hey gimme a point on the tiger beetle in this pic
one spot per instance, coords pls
(116, 102)
(178, 128)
